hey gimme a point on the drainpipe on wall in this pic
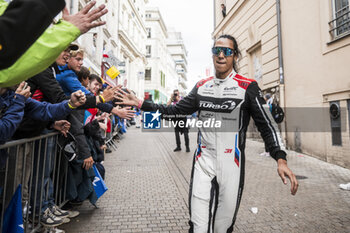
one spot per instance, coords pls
(281, 70)
(214, 14)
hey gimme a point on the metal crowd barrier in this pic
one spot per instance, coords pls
(27, 163)
(110, 141)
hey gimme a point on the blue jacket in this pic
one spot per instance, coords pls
(70, 83)
(14, 107)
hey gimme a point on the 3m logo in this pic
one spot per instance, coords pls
(228, 151)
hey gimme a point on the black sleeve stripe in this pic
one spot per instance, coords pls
(268, 120)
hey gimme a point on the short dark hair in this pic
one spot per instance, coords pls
(93, 77)
(236, 51)
(83, 73)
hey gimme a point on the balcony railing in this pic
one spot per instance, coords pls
(340, 25)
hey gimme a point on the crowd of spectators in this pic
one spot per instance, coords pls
(44, 88)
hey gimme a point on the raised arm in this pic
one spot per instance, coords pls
(186, 106)
(13, 116)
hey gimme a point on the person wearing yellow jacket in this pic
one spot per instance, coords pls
(17, 32)
(51, 43)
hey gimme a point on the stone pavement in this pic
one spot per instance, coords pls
(148, 191)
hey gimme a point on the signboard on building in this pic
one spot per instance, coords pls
(113, 72)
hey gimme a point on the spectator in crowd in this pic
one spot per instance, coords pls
(138, 118)
(14, 104)
(68, 79)
(55, 37)
(223, 10)
(95, 84)
(45, 87)
(175, 98)
(41, 55)
(83, 76)
(69, 82)
(93, 117)
(17, 32)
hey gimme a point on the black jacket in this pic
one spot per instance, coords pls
(21, 25)
(76, 118)
(231, 101)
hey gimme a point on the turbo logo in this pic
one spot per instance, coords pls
(229, 105)
(230, 88)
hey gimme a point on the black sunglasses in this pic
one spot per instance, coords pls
(217, 50)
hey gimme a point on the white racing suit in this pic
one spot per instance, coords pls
(218, 167)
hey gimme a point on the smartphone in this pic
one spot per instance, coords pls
(25, 85)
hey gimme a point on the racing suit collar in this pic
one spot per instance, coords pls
(220, 81)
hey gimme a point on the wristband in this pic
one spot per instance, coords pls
(71, 106)
(102, 99)
(140, 104)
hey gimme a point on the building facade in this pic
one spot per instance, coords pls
(302, 62)
(161, 74)
(316, 51)
(132, 36)
(120, 43)
(140, 52)
(178, 52)
(98, 41)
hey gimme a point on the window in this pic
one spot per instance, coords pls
(255, 63)
(148, 15)
(334, 111)
(148, 74)
(148, 51)
(340, 25)
(94, 40)
(148, 32)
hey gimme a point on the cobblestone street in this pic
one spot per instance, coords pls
(148, 191)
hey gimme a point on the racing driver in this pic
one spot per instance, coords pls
(218, 168)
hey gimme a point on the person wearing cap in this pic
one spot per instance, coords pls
(73, 47)
(41, 54)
